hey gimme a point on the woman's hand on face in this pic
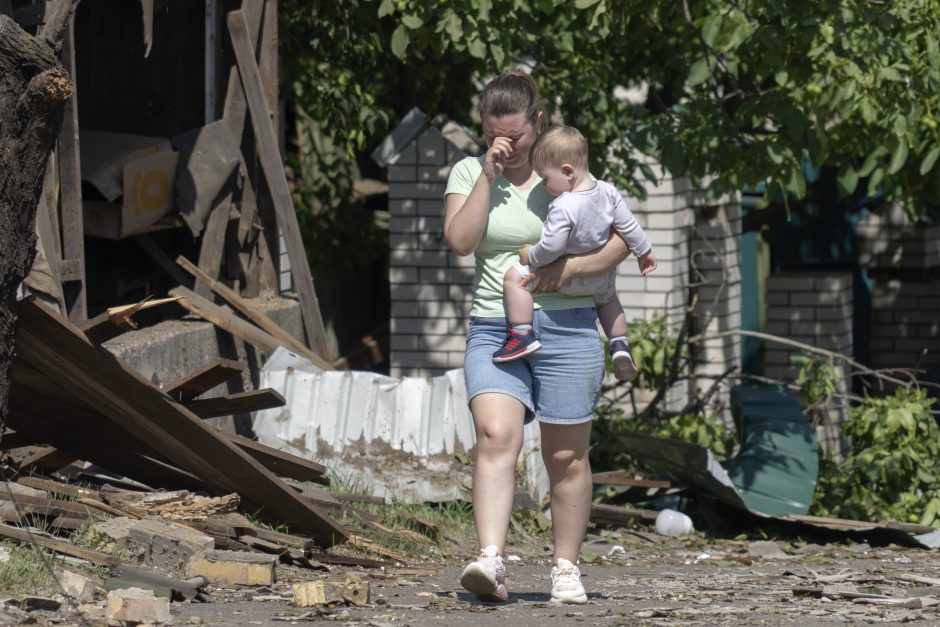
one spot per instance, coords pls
(499, 152)
(553, 277)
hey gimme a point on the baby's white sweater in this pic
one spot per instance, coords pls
(578, 222)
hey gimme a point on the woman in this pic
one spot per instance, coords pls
(493, 205)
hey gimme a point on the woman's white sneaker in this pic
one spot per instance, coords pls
(486, 577)
(566, 583)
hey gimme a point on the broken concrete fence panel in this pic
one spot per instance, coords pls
(79, 587)
(135, 606)
(155, 542)
(418, 427)
(208, 157)
(234, 567)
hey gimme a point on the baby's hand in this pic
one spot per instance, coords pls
(647, 263)
(524, 254)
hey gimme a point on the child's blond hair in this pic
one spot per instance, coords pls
(557, 146)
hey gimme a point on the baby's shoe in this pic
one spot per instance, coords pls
(624, 367)
(517, 345)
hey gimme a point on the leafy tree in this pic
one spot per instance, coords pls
(736, 92)
(733, 93)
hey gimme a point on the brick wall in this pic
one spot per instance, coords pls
(813, 308)
(430, 286)
(905, 324)
(890, 240)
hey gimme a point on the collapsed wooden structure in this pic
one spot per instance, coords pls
(229, 185)
(72, 393)
(71, 398)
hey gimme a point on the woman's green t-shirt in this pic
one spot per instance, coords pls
(515, 219)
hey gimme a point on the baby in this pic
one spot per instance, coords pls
(578, 221)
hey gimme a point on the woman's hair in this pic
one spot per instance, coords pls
(557, 146)
(510, 93)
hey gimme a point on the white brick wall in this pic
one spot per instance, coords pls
(430, 286)
(815, 308)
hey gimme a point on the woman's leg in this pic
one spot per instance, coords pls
(498, 419)
(565, 453)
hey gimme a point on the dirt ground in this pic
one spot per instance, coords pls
(662, 581)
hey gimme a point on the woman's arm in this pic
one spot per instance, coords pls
(558, 274)
(465, 216)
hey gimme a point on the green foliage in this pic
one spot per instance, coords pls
(891, 472)
(652, 344)
(702, 430)
(22, 570)
(739, 92)
(817, 377)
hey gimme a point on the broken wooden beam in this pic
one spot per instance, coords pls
(58, 546)
(619, 477)
(57, 348)
(46, 459)
(226, 320)
(214, 373)
(279, 462)
(617, 515)
(117, 320)
(57, 487)
(240, 403)
(253, 314)
(273, 168)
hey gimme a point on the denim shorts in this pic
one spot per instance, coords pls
(559, 383)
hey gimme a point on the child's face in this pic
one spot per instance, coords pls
(558, 180)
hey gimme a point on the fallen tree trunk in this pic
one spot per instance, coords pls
(34, 88)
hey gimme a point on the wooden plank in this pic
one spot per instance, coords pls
(73, 236)
(163, 260)
(115, 321)
(617, 515)
(55, 347)
(618, 477)
(57, 487)
(48, 459)
(240, 403)
(279, 462)
(45, 506)
(265, 252)
(252, 313)
(273, 169)
(12, 440)
(49, 239)
(53, 415)
(212, 247)
(214, 373)
(58, 546)
(113, 456)
(226, 320)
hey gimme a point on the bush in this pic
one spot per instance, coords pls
(891, 472)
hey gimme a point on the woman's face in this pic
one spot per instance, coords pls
(517, 129)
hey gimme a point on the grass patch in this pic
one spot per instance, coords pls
(22, 570)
